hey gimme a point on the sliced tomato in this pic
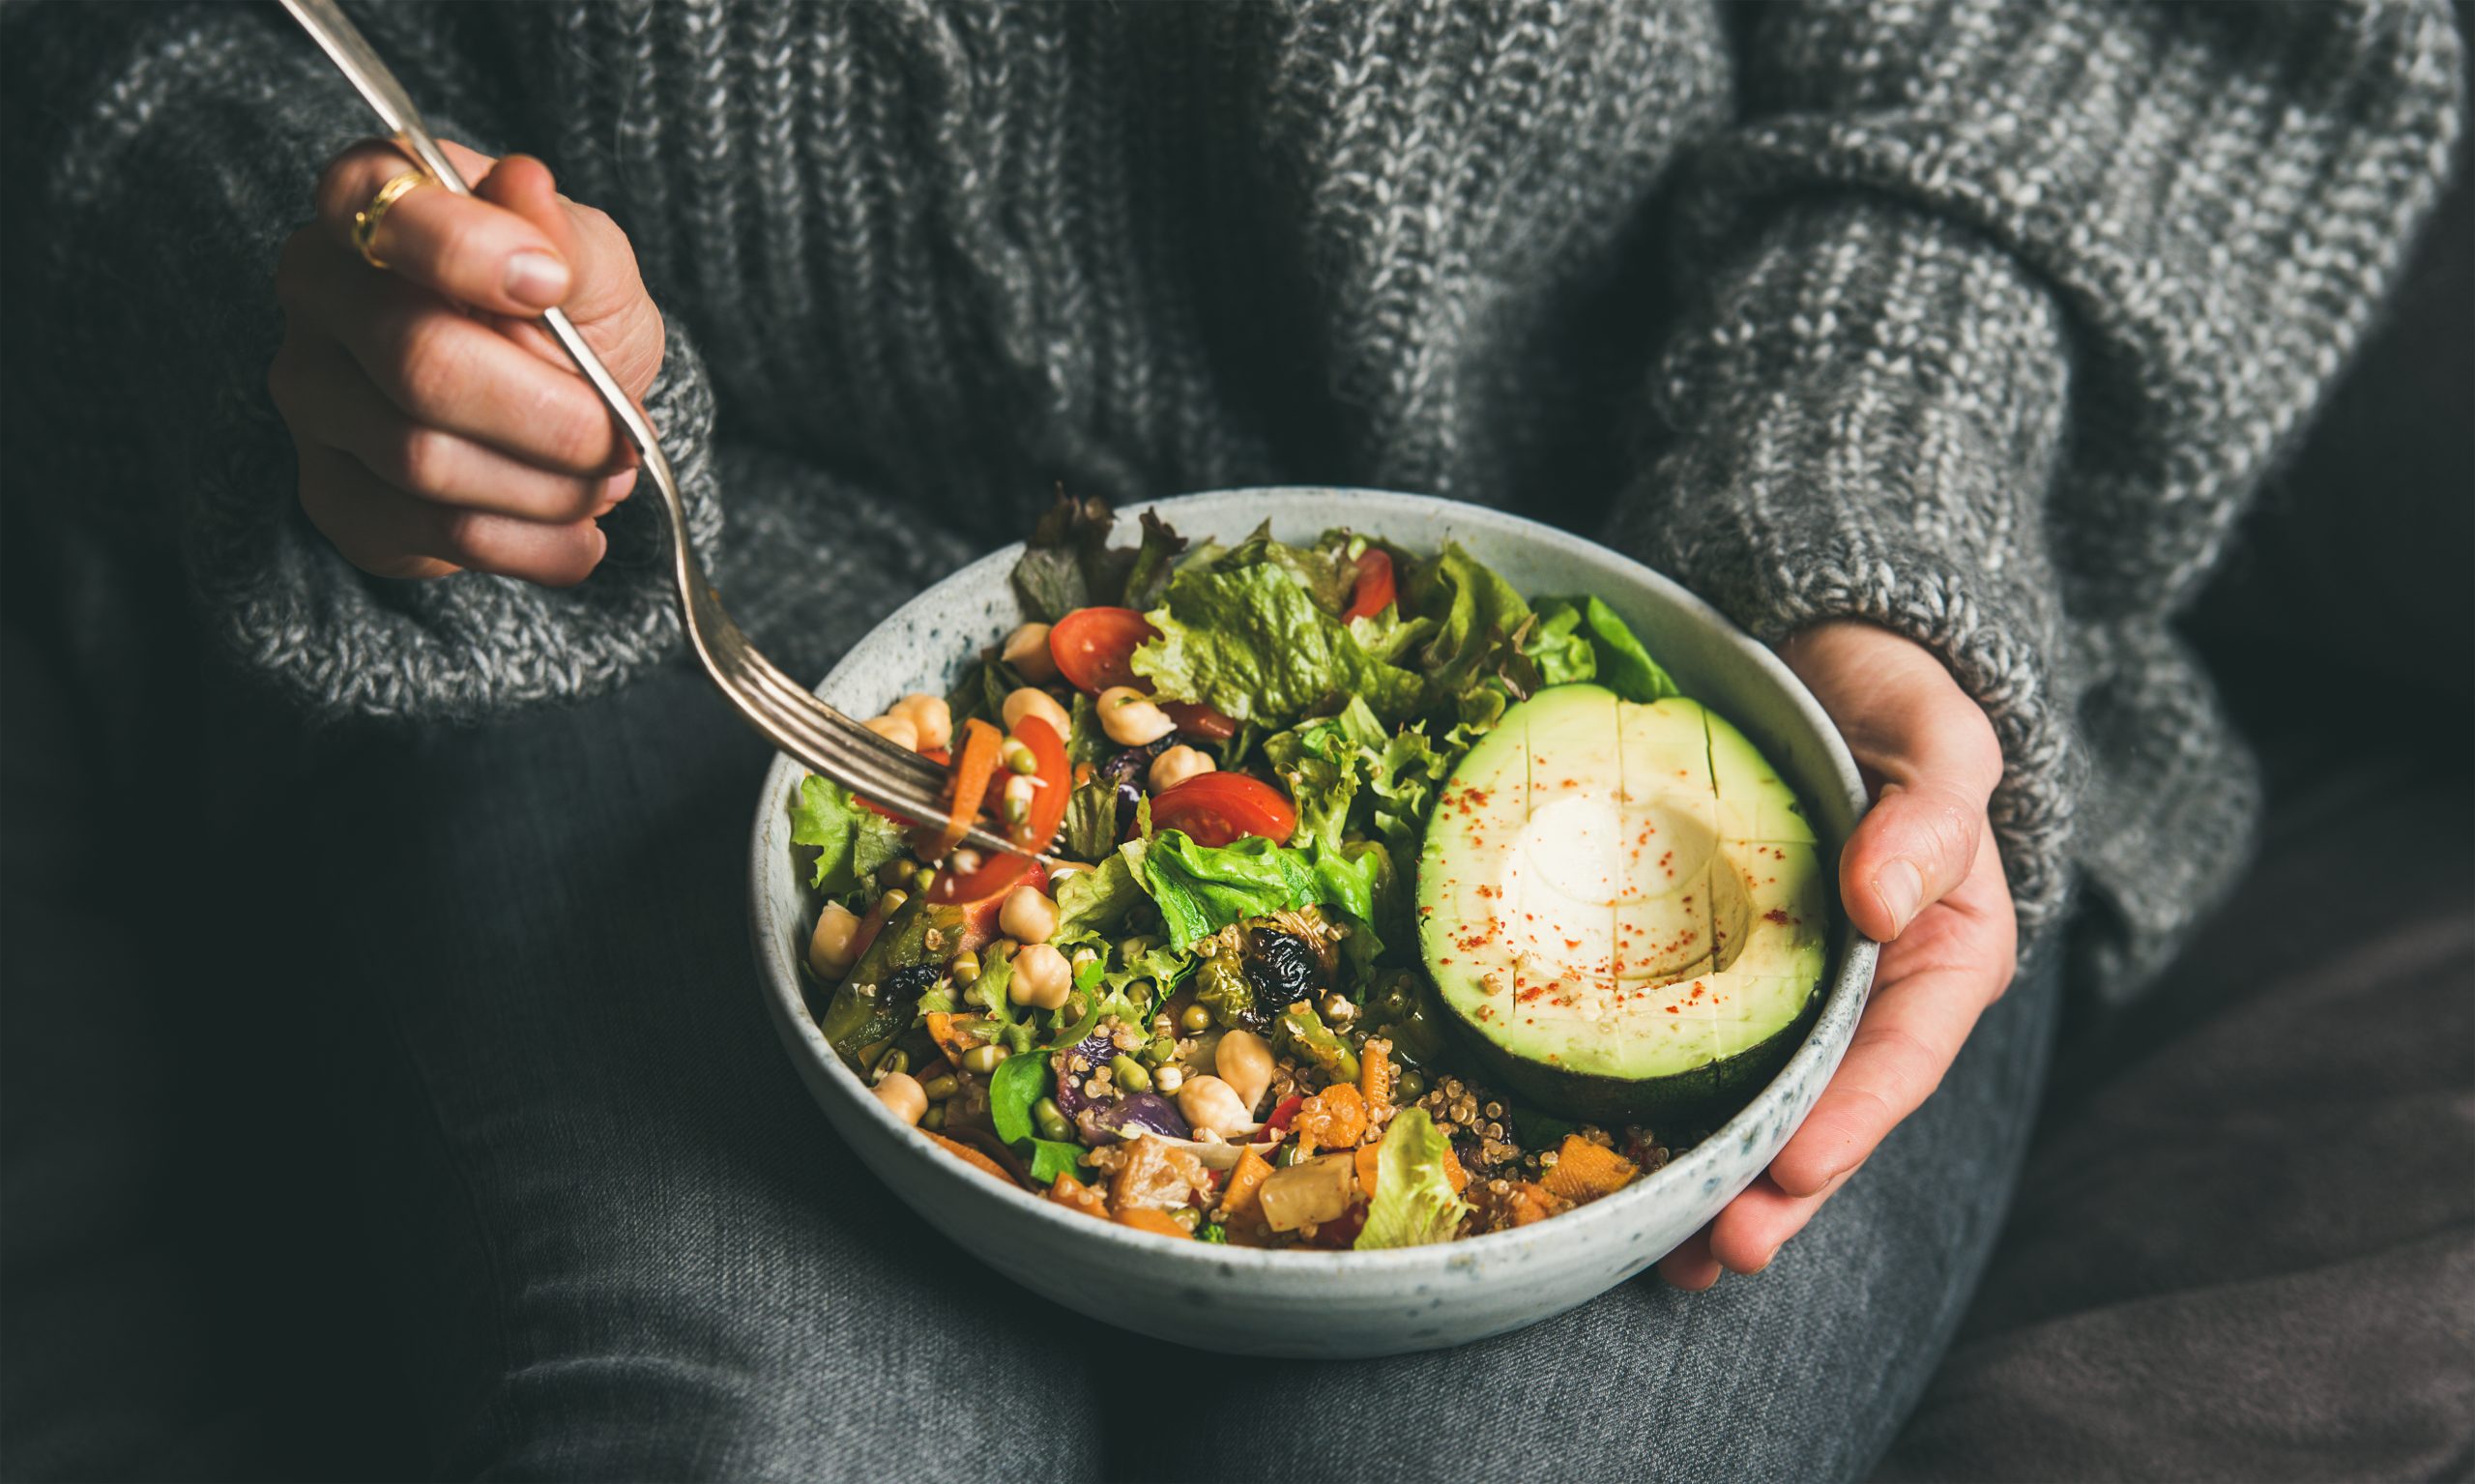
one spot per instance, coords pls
(1056, 777)
(1374, 589)
(1094, 646)
(972, 772)
(1214, 808)
(1196, 719)
(982, 893)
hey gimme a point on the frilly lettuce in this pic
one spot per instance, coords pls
(852, 842)
(1414, 1204)
(1253, 642)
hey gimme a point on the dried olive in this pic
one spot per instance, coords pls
(1281, 967)
(909, 983)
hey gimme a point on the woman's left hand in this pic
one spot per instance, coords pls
(1922, 876)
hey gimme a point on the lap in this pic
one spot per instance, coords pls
(638, 1248)
(635, 1247)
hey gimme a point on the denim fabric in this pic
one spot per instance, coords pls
(632, 1248)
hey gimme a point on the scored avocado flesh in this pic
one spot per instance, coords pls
(1622, 905)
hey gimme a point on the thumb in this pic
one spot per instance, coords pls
(1939, 763)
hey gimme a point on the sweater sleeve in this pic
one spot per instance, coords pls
(171, 149)
(1997, 313)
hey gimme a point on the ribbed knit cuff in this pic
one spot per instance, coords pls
(1862, 420)
(460, 648)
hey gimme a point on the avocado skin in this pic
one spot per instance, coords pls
(1703, 1097)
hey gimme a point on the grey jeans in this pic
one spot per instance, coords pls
(632, 1247)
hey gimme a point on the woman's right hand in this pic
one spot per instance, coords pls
(439, 427)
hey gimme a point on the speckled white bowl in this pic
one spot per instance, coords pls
(1347, 1303)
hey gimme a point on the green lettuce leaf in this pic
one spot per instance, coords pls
(1624, 666)
(1097, 902)
(1555, 645)
(1051, 1160)
(1254, 643)
(1201, 889)
(852, 842)
(1069, 562)
(1414, 1204)
(1474, 611)
(1091, 829)
(1017, 1082)
(1345, 774)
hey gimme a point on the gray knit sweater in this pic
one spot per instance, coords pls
(1976, 320)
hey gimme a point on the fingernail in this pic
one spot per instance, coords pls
(614, 489)
(537, 279)
(1902, 888)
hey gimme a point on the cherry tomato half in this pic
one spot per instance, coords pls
(983, 894)
(1375, 587)
(1056, 777)
(1214, 808)
(1094, 646)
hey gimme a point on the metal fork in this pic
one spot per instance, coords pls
(778, 707)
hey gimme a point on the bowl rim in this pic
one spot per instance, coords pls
(1847, 985)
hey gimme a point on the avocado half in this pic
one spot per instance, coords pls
(1623, 907)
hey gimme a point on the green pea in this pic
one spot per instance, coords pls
(1052, 1121)
(1160, 1052)
(940, 1087)
(983, 1060)
(933, 1118)
(1130, 1074)
(892, 1062)
(1020, 758)
(1409, 1088)
(1195, 1020)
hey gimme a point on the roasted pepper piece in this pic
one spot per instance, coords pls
(1305, 1035)
(868, 1007)
(1584, 1171)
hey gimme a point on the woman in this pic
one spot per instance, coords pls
(1940, 344)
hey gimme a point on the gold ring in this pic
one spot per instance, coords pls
(364, 221)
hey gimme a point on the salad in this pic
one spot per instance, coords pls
(1380, 905)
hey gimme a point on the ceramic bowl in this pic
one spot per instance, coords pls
(1337, 1304)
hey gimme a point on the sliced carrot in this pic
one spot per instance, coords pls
(1143, 1218)
(1585, 1171)
(972, 1158)
(973, 769)
(1374, 1073)
(1239, 1198)
(1074, 1195)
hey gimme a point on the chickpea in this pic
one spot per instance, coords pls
(897, 730)
(902, 1095)
(1028, 916)
(929, 716)
(834, 946)
(1177, 765)
(1040, 976)
(1130, 718)
(1027, 651)
(1243, 1059)
(1211, 1104)
(1032, 701)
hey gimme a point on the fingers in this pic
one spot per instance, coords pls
(472, 251)
(1689, 1267)
(1918, 842)
(1932, 986)
(390, 534)
(453, 373)
(325, 398)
